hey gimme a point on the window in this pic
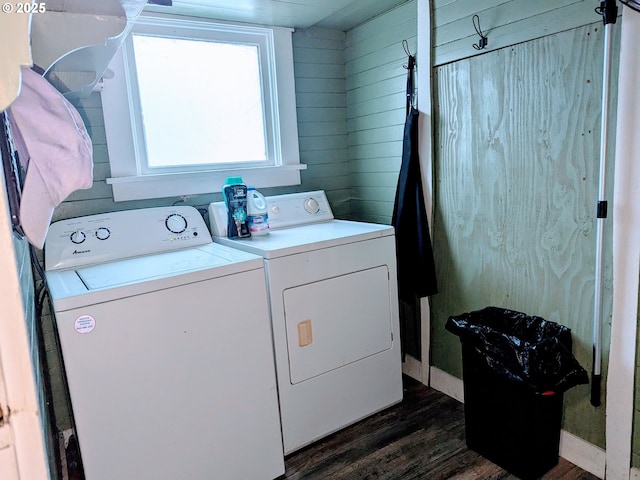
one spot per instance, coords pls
(192, 102)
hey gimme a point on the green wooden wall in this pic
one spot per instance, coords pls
(376, 85)
(319, 63)
(503, 22)
(517, 146)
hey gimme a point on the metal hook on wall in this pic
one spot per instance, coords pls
(410, 67)
(411, 63)
(483, 38)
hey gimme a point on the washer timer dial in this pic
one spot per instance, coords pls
(176, 223)
(78, 236)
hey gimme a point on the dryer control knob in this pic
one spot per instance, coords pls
(176, 223)
(311, 205)
(78, 236)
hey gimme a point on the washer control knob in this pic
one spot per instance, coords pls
(176, 223)
(311, 205)
(78, 236)
(275, 209)
(103, 233)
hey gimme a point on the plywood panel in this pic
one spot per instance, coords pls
(517, 143)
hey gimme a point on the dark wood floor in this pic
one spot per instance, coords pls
(420, 438)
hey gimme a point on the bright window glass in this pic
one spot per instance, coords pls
(207, 108)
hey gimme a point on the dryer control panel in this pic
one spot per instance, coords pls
(298, 209)
(287, 210)
(130, 233)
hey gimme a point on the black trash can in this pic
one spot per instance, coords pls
(515, 370)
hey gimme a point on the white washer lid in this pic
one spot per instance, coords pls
(146, 268)
(304, 238)
(73, 288)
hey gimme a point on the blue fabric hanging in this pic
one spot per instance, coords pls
(416, 267)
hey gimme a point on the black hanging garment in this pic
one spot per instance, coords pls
(416, 268)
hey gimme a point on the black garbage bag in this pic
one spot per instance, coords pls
(522, 349)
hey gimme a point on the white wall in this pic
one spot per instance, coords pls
(626, 261)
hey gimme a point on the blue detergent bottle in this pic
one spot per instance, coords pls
(235, 199)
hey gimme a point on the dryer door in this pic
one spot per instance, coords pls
(337, 321)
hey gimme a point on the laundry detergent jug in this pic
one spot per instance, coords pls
(257, 215)
(235, 199)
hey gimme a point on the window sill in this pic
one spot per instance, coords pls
(197, 183)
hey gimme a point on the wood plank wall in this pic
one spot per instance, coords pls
(503, 22)
(376, 86)
(517, 146)
(319, 62)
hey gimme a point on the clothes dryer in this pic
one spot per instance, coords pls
(167, 348)
(334, 313)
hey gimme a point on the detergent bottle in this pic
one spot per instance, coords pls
(258, 217)
(235, 199)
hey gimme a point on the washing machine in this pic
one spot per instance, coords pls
(167, 348)
(334, 313)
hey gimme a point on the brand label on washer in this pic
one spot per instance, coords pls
(85, 324)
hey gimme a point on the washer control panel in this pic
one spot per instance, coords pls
(283, 210)
(130, 233)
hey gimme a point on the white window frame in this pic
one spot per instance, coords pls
(128, 180)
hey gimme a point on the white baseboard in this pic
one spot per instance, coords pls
(582, 453)
(572, 448)
(446, 383)
(413, 368)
